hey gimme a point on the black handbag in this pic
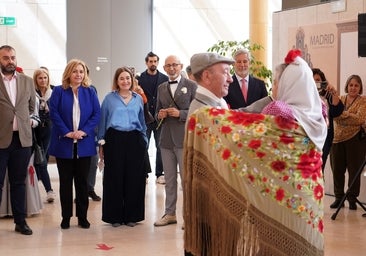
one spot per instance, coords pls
(39, 154)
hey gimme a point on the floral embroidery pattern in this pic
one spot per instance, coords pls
(279, 146)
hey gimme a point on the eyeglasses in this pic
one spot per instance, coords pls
(174, 65)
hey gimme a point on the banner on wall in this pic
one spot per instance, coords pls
(319, 47)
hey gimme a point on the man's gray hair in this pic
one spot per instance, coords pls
(241, 51)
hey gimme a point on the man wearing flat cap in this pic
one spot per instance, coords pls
(211, 71)
(212, 74)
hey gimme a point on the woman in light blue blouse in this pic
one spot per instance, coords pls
(123, 144)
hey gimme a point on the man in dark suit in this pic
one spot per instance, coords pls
(149, 80)
(17, 104)
(243, 83)
(173, 100)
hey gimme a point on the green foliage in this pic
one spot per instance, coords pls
(257, 68)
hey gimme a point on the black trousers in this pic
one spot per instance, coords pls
(15, 159)
(347, 156)
(75, 171)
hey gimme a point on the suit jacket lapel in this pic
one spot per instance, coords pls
(4, 92)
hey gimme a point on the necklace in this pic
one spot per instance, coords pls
(125, 96)
(349, 104)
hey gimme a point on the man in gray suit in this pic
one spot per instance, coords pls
(17, 104)
(173, 100)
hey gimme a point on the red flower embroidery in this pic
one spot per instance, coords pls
(226, 154)
(285, 123)
(260, 154)
(278, 165)
(284, 138)
(318, 192)
(216, 111)
(321, 226)
(244, 118)
(191, 123)
(255, 144)
(240, 145)
(251, 178)
(226, 129)
(280, 194)
(310, 165)
(274, 145)
(285, 178)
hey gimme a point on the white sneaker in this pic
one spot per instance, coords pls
(50, 196)
(160, 180)
(166, 220)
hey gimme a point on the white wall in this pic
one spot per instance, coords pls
(184, 28)
(181, 27)
(348, 62)
(39, 36)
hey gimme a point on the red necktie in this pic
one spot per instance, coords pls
(244, 88)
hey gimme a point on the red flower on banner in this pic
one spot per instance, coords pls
(216, 111)
(244, 118)
(226, 154)
(280, 194)
(291, 55)
(226, 129)
(278, 165)
(191, 123)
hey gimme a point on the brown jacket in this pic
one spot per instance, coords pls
(24, 107)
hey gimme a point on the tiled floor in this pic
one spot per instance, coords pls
(343, 236)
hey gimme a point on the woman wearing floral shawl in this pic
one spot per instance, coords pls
(253, 181)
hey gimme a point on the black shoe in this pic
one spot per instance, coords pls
(336, 204)
(65, 223)
(24, 229)
(83, 223)
(352, 205)
(94, 196)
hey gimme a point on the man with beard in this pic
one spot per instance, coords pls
(17, 104)
(245, 88)
(150, 80)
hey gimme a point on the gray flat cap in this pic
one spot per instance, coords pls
(200, 61)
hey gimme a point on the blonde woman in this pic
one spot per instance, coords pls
(42, 132)
(75, 112)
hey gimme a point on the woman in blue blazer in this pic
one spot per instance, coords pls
(75, 112)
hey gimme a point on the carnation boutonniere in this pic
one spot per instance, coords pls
(184, 90)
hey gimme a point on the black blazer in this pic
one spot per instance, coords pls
(256, 91)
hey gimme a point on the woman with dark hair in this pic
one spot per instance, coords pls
(335, 108)
(348, 149)
(122, 145)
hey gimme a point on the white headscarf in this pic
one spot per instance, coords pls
(298, 89)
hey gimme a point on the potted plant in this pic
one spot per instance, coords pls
(257, 68)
